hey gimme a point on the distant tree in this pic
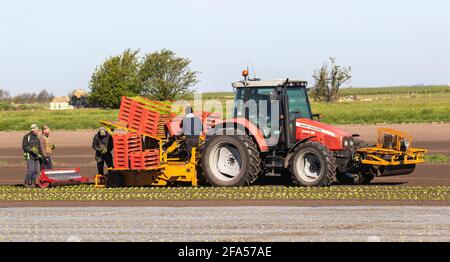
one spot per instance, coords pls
(118, 76)
(164, 76)
(328, 79)
(25, 98)
(4, 95)
(44, 97)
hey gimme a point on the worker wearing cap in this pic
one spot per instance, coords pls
(33, 153)
(103, 146)
(47, 148)
(192, 128)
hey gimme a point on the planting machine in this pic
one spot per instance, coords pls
(272, 133)
(59, 177)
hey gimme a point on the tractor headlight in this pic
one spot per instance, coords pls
(347, 142)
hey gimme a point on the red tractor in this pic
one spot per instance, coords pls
(272, 133)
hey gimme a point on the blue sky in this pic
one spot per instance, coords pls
(57, 44)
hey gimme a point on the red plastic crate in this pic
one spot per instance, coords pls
(144, 160)
(120, 154)
(151, 158)
(163, 120)
(136, 161)
(139, 115)
(125, 109)
(134, 142)
(149, 123)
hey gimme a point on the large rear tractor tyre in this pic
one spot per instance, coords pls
(230, 160)
(313, 165)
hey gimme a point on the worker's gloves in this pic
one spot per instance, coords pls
(102, 150)
(47, 159)
(53, 147)
(35, 151)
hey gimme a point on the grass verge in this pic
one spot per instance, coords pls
(437, 158)
(58, 119)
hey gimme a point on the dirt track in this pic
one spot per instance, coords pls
(275, 223)
(73, 150)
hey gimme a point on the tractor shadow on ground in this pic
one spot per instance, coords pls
(286, 181)
(387, 183)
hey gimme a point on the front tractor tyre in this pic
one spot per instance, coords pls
(230, 160)
(312, 164)
(355, 179)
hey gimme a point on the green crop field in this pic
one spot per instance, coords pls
(58, 119)
(427, 108)
(89, 193)
(395, 90)
(372, 105)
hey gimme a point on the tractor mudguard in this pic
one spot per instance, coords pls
(289, 153)
(244, 126)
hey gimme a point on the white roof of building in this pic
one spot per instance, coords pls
(267, 83)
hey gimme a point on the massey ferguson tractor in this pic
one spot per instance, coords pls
(272, 132)
(290, 142)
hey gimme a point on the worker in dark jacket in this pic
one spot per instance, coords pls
(103, 146)
(33, 153)
(192, 128)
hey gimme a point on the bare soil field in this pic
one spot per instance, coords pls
(73, 149)
(249, 223)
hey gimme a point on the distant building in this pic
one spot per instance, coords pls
(60, 103)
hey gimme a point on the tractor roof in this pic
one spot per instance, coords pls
(268, 83)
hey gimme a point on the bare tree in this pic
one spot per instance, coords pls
(31, 98)
(4, 95)
(328, 80)
(44, 97)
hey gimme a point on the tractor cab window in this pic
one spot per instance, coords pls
(298, 103)
(256, 104)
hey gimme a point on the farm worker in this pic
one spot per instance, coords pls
(47, 148)
(33, 153)
(192, 128)
(103, 146)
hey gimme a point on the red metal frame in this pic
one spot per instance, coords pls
(44, 181)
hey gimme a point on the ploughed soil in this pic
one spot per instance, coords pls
(73, 149)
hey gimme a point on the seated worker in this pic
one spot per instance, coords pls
(192, 128)
(103, 146)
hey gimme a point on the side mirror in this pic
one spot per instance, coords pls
(318, 116)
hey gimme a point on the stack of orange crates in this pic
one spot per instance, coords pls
(143, 116)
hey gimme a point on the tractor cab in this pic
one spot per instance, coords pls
(272, 105)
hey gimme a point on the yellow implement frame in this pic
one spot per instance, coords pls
(99, 181)
(389, 157)
(389, 151)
